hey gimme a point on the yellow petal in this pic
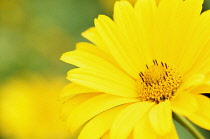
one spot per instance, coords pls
(161, 118)
(73, 102)
(201, 86)
(106, 136)
(171, 135)
(145, 11)
(103, 82)
(74, 89)
(102, 123)
(189, 81)
(92, 107)
(163, 31)
(143, 129)
(202, 116)
(196, 55)
(126, 20)
(95, 64)
(94, 50)
(202, 62)
(126, 120)
(184, 103)
(175, 23)
(190, 14)
(115, 41)
(157, 1)
(92, 35)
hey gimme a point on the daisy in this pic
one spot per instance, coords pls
(150, 61)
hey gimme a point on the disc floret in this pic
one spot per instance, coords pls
(158, 82)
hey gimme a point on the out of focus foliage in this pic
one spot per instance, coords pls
(34, 33)
(206, 5)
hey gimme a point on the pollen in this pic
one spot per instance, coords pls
(158, 82)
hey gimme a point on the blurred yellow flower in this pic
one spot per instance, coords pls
(29, 109)
(12, 14)
(131, 1)
(108, 4)
(151, 60)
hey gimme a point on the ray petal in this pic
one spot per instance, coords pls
(201, 86)
(92, 107)
(143, 129)
(92, 35)
(171, 135)
(94, 63)
(126, 120)
(114, 39)
(175, 23)
(201, 117)
(94, 50)
(184, 103)
(127, 22)
(74, 89)
(103, 82)
(145, 11)
(102, 123)
(161, 118)
(197, 46)
(73, 102)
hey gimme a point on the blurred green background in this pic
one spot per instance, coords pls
(34, 34)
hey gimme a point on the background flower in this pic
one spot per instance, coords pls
(29, 108)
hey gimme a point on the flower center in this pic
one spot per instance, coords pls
(158, 82)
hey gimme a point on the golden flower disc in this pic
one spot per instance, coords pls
(158, 82)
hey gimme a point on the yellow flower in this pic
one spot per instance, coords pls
(29, 108)
(131, 1)
(108, 4)
(151, 60)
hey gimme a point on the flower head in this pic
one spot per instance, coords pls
(150, 60)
